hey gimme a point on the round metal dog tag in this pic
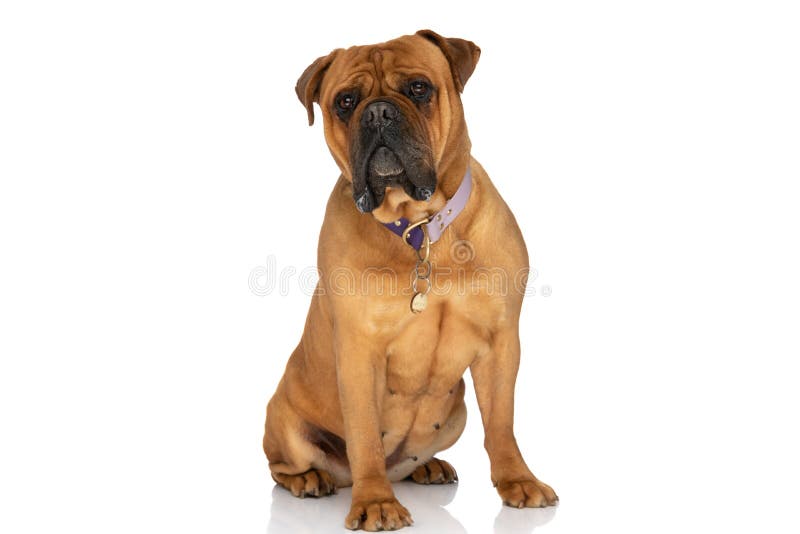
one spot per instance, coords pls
(419, 302)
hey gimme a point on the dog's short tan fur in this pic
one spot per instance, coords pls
(373, 391)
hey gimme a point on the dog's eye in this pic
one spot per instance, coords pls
(419, 90)
(345, 102)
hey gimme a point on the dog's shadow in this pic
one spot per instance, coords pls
(289, 514)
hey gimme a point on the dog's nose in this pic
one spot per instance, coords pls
(379, 114)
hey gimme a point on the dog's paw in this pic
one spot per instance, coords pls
(434, 471)
(378, 515)
(528, 493)
(312, 483)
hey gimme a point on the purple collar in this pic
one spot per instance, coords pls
(435, 225)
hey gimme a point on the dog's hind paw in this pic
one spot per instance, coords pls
(434, 471)
(312, 483)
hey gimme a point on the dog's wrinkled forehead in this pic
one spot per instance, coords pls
(383, 69)
(380, 69)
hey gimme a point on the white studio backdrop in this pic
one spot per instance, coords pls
(152, 155)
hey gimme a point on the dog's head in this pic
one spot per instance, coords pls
(392, 112)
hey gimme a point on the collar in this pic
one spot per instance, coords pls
(435, 225)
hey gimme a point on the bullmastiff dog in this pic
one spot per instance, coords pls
(422, 269)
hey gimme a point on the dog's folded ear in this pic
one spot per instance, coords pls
(462, 55)
(310, 81)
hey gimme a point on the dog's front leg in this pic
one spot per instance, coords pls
(374, 506)
(494, 375)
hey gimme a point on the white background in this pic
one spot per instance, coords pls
(152, 154)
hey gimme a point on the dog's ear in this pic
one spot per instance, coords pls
(310, 81)
(462, 55)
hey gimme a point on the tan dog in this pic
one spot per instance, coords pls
(373, 390)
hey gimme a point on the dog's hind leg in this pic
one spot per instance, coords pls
(295, 449)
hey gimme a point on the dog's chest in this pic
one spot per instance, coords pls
(429, 355)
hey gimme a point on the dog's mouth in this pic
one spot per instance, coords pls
(385, 169)
(384, 164)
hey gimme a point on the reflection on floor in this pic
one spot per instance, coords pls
(289, 514)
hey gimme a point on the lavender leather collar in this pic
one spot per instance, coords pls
(439, 221)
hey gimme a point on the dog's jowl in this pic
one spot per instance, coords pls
(420, 266)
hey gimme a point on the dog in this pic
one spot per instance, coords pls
(374, 388)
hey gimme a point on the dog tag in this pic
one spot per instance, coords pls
(419, 302)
